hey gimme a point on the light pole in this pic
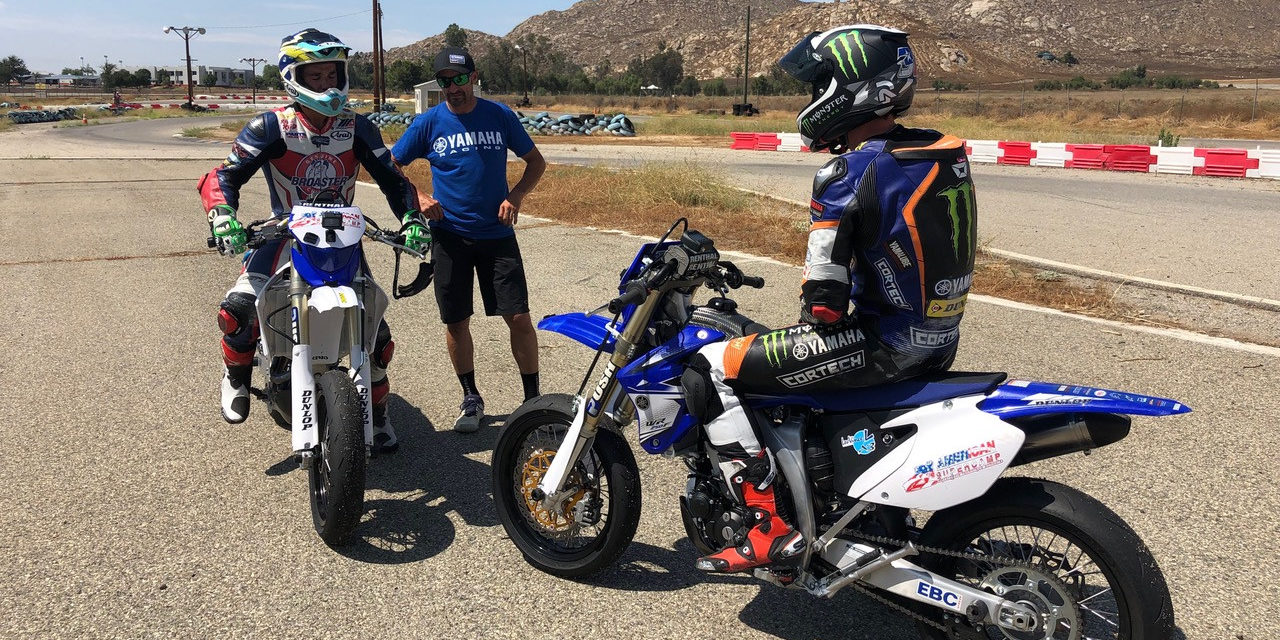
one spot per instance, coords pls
(524, 54)
(187, 33)
(253, 66)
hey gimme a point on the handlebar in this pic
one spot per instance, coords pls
(637, 289)
(260, 232)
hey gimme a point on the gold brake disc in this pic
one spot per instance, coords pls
(536, 467)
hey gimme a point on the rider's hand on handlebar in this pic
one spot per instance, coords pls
(417, 237)
(230, 235)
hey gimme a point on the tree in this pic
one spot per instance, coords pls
(142, 78)
(1070, 60)
(359, 71)
(208, 80)
(715, 87)
(403, 75)
(455, 36)
(12, 68)
(270, 78)
(688, 86)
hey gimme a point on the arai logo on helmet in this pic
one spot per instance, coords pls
(906, 62)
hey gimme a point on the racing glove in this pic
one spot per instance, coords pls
(416, 234)
(232, 238)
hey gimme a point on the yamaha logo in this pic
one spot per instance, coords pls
(440, 145)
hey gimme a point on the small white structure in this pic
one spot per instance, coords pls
(429, 94)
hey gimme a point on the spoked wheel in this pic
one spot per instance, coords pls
(1063, 554)
(336, 477)
(593, 519)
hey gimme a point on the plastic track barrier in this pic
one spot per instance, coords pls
(767, 141)
(1086, 156)
(1128, 157)
(986, 151)
(742, 140)
(1050, 154)
(1268, 164)
(1229, 163)
(1019, 153)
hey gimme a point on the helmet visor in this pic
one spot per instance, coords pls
(802, 62)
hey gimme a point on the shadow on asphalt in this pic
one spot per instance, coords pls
(645, 567)
(432, 475)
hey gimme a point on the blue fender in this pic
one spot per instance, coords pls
(1022, 398)
(589, 330)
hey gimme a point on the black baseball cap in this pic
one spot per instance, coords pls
(454, 59)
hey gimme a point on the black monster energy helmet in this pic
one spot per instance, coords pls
(858, 72)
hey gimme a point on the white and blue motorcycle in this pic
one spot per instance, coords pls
(320, 307)
(999, 557)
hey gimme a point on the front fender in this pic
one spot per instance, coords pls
(593, 331)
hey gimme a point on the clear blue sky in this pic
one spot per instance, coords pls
(50, 35)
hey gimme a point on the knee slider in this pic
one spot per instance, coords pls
(237, 313)
(700, 391)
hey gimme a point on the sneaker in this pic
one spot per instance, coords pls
(472, 411)
(235, 394)
(384, 436)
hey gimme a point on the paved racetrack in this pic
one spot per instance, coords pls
(130, 509)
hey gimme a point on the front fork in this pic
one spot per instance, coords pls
(302, 377)
(589, 410)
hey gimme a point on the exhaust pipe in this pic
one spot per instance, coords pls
(1056, 434)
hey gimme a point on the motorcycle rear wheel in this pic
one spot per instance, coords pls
(596, 523)
(1081, 565)
(336, 477)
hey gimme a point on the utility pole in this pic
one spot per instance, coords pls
(377, 56)
(187, 33)
(746, 63)
(253, 81)
(525, 59)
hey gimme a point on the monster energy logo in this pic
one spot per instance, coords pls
(775, 347)
(843, 52)
(958, 196)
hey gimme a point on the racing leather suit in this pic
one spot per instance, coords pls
(893, 229)
(298, 162)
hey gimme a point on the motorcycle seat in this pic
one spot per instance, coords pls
(913, 392)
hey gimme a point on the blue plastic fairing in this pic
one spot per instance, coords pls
(321, 266)
(1022, 397)
(589, 330)
(913, 392)
(657, 376)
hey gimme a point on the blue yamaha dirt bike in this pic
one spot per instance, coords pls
(998, 558)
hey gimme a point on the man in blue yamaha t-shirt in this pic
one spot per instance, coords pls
(473, 216)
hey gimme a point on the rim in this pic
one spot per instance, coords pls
(320, 467)
(1057, 577)
(581, 521)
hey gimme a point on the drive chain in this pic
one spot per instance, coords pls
(909, 612)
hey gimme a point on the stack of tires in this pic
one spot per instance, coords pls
(386, 118)
(583, 125)
(43, 115)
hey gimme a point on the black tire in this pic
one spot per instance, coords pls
(1138, 604)
(554, 542)
(336, 478)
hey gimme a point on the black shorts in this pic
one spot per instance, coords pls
(496, 262)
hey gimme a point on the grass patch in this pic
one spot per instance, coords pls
(6, 124)
(646, 201)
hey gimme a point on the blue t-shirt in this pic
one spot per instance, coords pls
(468, 156)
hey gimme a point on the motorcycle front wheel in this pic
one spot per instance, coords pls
(591, 528)
(336, 477)
(1065, 554)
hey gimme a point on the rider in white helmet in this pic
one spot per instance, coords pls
(312, 146)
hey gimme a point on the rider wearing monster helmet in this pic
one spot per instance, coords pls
(891, 230)
(311, 148)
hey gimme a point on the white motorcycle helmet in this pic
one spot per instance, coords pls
(307, 47)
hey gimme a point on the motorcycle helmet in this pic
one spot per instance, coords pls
(857, 72)
(307, 47)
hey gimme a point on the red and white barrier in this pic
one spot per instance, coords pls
(1234, 163)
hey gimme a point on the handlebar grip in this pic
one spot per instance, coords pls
(213, 242)
(754, 282)
(636, 293)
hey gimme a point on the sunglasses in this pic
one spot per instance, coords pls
(460, 79)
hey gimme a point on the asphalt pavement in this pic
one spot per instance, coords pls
(131, 510)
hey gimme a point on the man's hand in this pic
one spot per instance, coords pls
(232, 238)
(429, 207)
(509, 210)
(416, 234)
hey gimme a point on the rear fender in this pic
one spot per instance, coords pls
(1017, 398)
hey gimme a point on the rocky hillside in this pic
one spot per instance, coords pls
(425, 50)
(983, 40)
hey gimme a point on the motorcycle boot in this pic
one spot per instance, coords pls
(235, 393)
(770, 539)
(384, 436)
